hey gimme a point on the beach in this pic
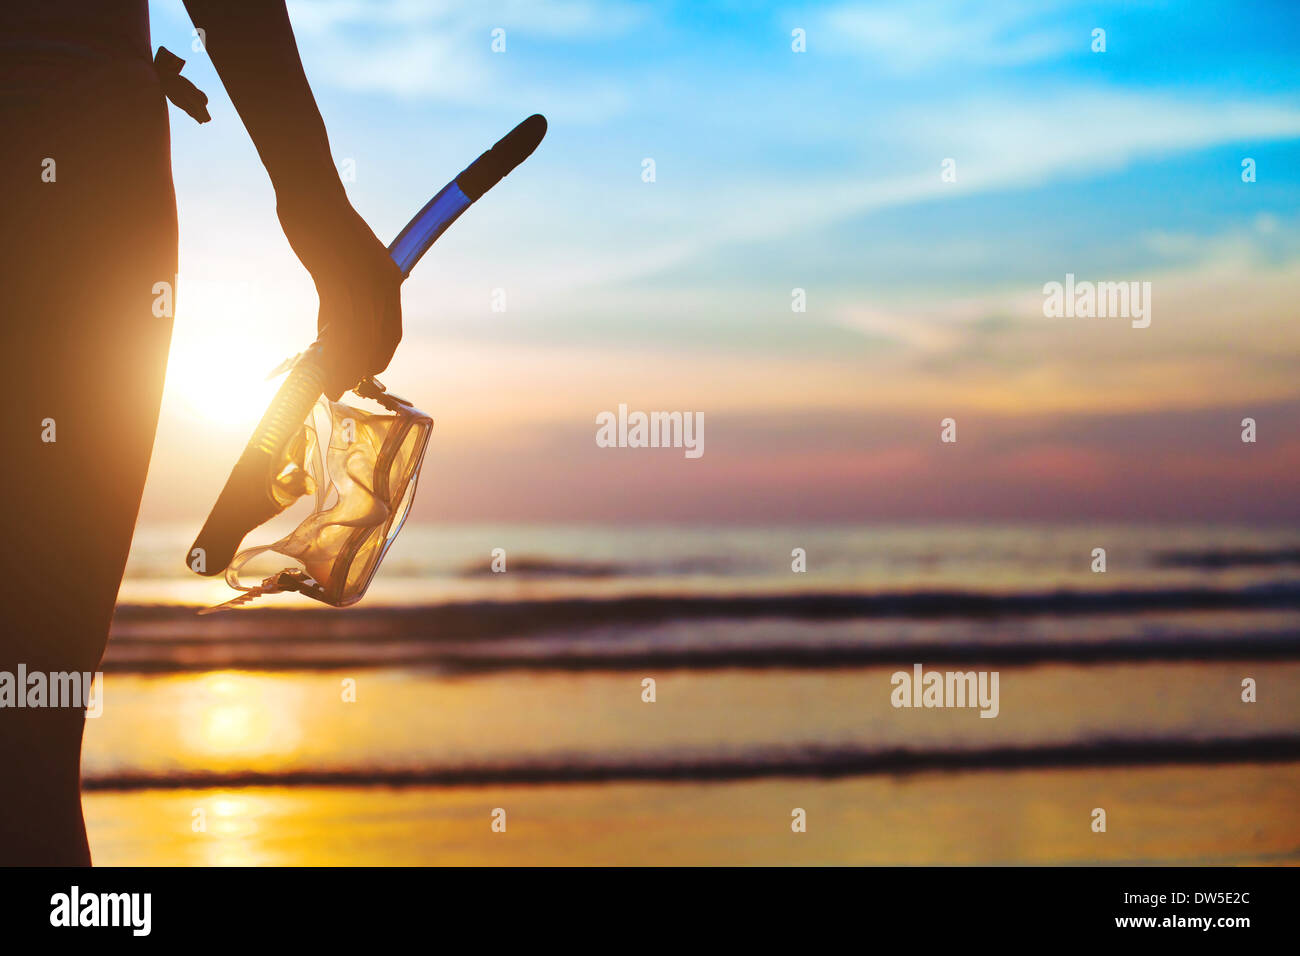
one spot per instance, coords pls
(1239, 814)
(391, 733)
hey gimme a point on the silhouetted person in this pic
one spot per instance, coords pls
(89, 230)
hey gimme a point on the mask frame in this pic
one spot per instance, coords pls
(342, 589)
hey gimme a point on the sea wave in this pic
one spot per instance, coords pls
(1217, 559)
(796, 654)
(541, 566)
(491, 618)
(745, 631)
(820, 762)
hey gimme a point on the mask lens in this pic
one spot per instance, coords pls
(405, 472)
(396, 481)
(363, 480)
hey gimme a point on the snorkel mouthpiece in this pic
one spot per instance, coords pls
(271, 473)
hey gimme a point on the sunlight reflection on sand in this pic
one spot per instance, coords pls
(1183, 815)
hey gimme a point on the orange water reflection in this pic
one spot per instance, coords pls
(230, 719)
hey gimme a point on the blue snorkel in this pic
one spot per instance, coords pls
(465, 190)
(251, 495)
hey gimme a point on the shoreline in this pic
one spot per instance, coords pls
(824, 763)
(1173, 816)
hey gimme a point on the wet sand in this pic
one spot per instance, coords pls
(1228, 814)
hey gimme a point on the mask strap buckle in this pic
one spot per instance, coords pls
(290, 579)
(371, 388)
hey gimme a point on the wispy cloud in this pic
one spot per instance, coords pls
(907, 36)
(554, 18)
(1265, 239)
(1069, 136)
(441, 51)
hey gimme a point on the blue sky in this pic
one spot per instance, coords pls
(776, 170)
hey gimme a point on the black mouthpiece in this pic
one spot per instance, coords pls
(511, 150)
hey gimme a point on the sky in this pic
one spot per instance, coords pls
(775, 170)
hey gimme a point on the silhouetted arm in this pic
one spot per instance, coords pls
(251, 43)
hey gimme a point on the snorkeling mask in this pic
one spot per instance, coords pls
(361, 467)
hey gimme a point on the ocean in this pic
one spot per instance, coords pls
(389, 732)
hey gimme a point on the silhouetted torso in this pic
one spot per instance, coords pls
(55, 47)
(89, 229)
(109, 26)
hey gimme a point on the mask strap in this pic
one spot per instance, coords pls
(285, 580)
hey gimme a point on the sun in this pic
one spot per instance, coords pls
(215, 378)
(227, 336)
(225, 341)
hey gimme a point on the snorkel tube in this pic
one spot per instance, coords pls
(260, 485)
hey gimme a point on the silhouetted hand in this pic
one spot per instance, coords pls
(360, 320)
